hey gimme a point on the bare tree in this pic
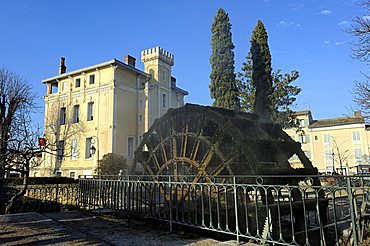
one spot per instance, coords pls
(360, 29)
(341, 154)
(57, 132)
(361, 97)
(21, 151)
(16, 101)
(17, 137)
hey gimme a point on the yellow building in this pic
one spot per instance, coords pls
(339, 144)
(109, 106)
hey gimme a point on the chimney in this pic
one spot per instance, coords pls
(129, 60)
(358, 114)
(62, 65)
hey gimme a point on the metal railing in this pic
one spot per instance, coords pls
(249, 207)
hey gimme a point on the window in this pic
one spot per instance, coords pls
(164, 75)
(88, 147)
(63, 116)
(164, 99)
(141, 104)
(327, 140)
(356, 138)
(74, 149)
(140, 118)
(151, 72)
(328, 157)
(301, 122)
(90, 111)
(316, 138)
(76, 112)
(304, 138)
(130, 147)
(60, 151)
(92, 79)
(72, 175)
(59, 174)
(64, 85)
(358, 154)
(77, 82)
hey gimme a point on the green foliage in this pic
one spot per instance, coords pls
(261, 71)
(38, 180)
(112, 164)
(282, 93)
(223, 87)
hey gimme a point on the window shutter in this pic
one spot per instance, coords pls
(305, 122)
(307, 138)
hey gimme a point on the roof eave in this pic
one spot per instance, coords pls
(180, 90)
(110, 62)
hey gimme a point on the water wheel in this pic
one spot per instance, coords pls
(206, 143)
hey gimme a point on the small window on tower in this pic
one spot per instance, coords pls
(130, 147)
(164, 75)
(164, 100)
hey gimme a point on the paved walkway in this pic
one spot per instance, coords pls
(77, 228)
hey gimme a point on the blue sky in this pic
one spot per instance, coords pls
(306, 35)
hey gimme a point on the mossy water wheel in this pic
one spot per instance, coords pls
(206, 142)
(212, 145)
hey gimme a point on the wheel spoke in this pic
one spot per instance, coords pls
(208, 157)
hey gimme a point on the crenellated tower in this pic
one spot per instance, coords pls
(158, 63)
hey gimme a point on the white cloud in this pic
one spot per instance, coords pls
(342, 23)
(325, 12)
(296, 6)
(340, 43)
(283, 23)
(326, 43)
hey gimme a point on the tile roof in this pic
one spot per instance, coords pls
(337, 121)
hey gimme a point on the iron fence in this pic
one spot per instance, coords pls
(250, 207)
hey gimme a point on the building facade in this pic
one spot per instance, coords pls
(106, 107)
(335, 144)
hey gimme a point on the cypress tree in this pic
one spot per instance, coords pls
(223, 88)
(261, 74)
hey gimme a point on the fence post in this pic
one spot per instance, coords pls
(353, 211)
(170, 186)
(236, 209)
(128, 201)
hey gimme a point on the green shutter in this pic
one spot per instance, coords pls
(305, 122)
(307, 138)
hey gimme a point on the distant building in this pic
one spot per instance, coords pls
(342, 142)
(106, 107)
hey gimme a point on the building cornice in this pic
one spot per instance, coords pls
(94, 67)
(326, 128)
